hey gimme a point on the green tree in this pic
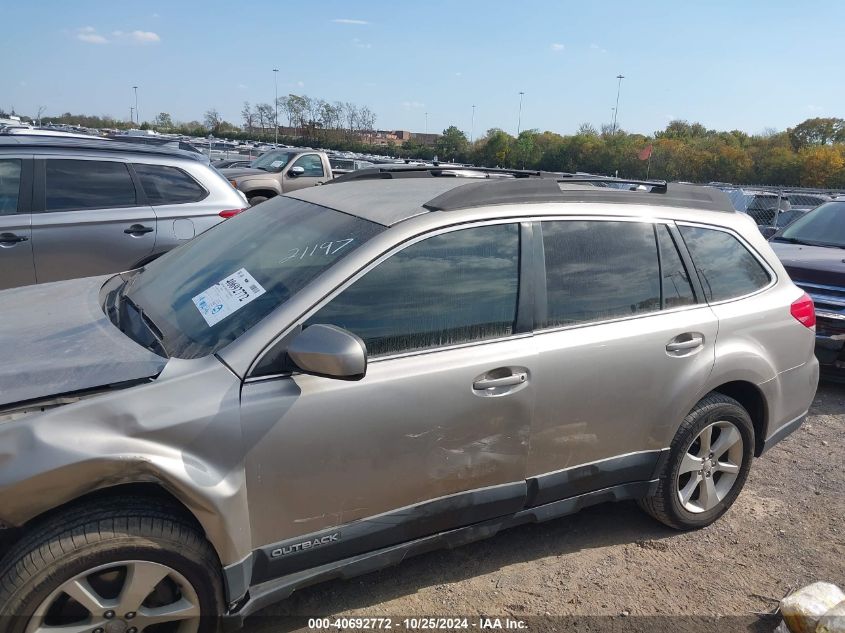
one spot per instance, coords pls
(818, 131)
(162, 121)
(452, 145)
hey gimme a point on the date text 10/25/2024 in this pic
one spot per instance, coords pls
(415, 624)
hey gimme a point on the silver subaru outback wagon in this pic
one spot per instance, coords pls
(355, 373)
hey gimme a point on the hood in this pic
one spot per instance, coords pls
(813, 264)
(56, 339)
(243, 172)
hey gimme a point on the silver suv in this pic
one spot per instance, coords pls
(358, 372)
(78, 207)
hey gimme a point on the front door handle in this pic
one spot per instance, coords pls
(11, 238)
(687, 342)
(138, 229)
(506, 381)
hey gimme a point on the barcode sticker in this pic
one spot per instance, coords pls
(227, 296)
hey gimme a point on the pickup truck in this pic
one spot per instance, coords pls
(280, 171)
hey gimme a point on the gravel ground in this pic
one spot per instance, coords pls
(787, 529)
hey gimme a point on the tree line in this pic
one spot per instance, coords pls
(811, 154)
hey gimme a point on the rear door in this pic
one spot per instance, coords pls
(90, 219)
(314, 174)
(624, 336)
(16, 265)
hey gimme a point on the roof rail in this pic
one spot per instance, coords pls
(535, 190)
(435, 171)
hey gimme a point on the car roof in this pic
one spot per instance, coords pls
(389, 201)
(21, 141)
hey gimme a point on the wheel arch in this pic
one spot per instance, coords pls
(752, 400)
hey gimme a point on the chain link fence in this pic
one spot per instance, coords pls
(774, 208)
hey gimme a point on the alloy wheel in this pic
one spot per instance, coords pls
(710, 467)
(122, 597)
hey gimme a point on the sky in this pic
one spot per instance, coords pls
(728, 64)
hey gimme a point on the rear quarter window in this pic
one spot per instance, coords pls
(168, 185)
(727, 269)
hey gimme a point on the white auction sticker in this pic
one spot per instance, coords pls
(227, 296)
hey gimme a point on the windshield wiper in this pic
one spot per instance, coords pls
(795, 240)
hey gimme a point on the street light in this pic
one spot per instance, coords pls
(616, 110)
(519, 119)
(276, 102)
(137, 115)
(131, 114)
(472, 126)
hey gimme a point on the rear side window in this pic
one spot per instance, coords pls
(10, 185)
(168, 185)
(448, 289)
(726, 268)
(676, 286)
(88, 184)
(599, 270)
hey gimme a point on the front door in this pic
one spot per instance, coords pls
(624, 340)
(434, 437)
(16, 264)
(91, 221)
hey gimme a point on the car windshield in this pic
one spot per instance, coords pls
(272, 161)
(203, 295)
(824, 226)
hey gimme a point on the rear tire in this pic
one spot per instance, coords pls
(709, 460)
(257, 200)
(128, 556)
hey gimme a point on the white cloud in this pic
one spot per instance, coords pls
(156, 15)
(458, 74)
(358, 43)
(348, 21)
(408, 105)
(814, 108)
(144, 37)
(300, 84)
(89, 35)
(598, 48)
(556, 47)
(242, 86)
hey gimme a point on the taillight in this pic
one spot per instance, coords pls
(230, 213)
(804, 310)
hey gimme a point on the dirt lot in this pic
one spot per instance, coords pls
(787, 529)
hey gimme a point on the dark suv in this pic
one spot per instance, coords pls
(811, 250)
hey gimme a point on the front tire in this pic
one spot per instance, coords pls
(709, 460)
(115, 565)
(257, 200)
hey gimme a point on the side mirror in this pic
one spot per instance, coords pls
(329, 351)
(296, 171)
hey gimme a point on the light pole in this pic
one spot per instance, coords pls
(131, 114)
(137, 115)
(519, 118)
(616, 110)
(276, 102)
(472, 126)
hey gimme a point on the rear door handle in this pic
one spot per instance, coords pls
(138, 229)
(11, 238)
(691, 341)
(506, 381)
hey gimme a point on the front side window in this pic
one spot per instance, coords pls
(88, 184)
(10, 185)
(597, 270)
(726, 268)
(168, 185)
(453, 288)
(312, 164)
